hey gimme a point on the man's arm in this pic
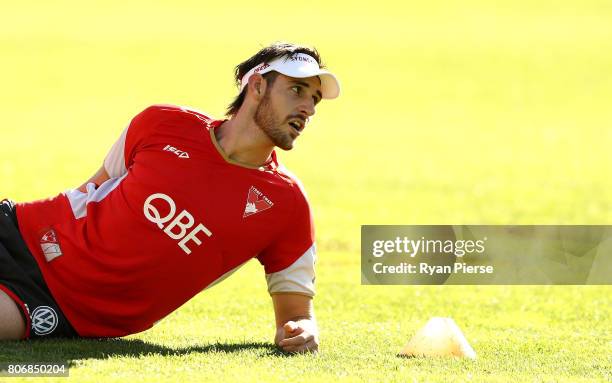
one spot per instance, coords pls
(296, 327)
(98, 179)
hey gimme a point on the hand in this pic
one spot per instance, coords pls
(299, 336)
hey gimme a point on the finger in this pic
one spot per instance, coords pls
(311, 346)
(296, 340)
(290, 326)
(295, 331)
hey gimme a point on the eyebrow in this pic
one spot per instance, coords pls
(304, 84)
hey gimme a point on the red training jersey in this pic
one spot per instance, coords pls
(175, 217)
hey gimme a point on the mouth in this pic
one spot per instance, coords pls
(297, 124)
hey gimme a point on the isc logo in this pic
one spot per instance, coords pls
(177, 229)
(179, 153)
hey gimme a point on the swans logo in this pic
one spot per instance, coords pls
(180, 223)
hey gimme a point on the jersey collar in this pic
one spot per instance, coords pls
(270, 165)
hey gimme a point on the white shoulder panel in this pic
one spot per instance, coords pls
(114, 163)
(297, 278)
(79, 200)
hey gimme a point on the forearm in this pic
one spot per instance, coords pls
(292, 307)
(99, 178)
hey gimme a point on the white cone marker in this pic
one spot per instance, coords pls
(439, 337)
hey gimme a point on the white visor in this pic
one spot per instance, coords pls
(299, 66)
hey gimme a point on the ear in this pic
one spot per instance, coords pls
(257, 86)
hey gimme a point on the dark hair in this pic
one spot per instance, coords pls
(266, 54)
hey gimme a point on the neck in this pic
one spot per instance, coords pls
(243, 141)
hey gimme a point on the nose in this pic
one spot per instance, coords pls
(308, 108)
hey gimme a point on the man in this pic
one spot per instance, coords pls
(181, 202)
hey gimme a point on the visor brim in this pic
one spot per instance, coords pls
(330, 87)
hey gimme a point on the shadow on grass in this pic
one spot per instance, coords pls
(54, 350)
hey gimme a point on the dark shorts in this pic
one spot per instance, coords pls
(22, 280)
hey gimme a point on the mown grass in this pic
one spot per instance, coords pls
(519, 334)
(451, 113)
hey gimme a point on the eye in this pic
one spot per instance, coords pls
(297, 89)
(316, 99)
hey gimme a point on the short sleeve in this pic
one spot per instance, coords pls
(298, 278)
(121, 155)
(114, 162)
(290, 260)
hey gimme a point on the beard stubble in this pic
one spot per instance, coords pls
(270, 125)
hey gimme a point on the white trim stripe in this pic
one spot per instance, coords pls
(79, 200)
(114, 162)
(224, 276)
(297, 278)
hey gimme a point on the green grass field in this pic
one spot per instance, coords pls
(452, 112)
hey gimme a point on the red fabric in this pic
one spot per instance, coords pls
(22, 307)
(119, 272)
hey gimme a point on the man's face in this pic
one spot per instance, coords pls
(285, 108)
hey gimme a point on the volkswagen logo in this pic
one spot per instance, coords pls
(44, 320)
